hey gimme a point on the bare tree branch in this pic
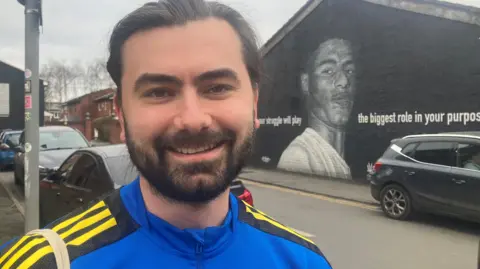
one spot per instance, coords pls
(60, 77)
(71, 80)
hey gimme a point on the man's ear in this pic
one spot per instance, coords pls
(118, 111)
(304, 84)
(255, 105)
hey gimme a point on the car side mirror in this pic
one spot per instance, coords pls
(18, 149)
(53, 176)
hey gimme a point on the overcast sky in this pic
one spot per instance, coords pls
(79, 29)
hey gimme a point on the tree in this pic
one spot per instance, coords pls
(96, 76)
(60, 77)
(69, 80)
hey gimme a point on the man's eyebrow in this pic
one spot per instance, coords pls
(325, 61)
(217, 74)
(147, 78)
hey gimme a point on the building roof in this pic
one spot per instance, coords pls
(95, 94)
(105, 97)
(15, 67)
(437, 8)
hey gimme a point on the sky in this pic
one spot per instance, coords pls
(78, 30)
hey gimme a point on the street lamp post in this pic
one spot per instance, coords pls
(33, 20)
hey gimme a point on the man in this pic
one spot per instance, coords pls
(187, 73)
(329, 87)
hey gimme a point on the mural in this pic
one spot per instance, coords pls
(329, 86)
(338, 90)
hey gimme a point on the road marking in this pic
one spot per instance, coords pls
(315, 196)
(302, 233)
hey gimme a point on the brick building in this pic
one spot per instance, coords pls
(93, 114)
(104, 119)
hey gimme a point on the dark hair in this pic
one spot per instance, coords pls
(166, 13)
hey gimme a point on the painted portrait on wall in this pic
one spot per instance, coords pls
(328, 85)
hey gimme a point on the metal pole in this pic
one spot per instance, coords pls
(32, 114)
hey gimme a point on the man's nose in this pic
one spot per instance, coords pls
(192, 115)
(341, 81)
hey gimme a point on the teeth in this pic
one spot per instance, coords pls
(194, 150)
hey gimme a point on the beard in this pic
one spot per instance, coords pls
(192, 183)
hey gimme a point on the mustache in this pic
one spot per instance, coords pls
(341, 97)
(186, 139)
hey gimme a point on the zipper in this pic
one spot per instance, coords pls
(199, 254)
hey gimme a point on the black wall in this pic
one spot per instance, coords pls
(16, 79)
(406, 62)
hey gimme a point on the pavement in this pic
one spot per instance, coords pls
(334, 188)
(352, 235)
(11, 218)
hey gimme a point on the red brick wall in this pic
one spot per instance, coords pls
(115, 132)
(101, 108)
(87, 104)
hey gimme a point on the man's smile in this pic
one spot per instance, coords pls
(197, 154)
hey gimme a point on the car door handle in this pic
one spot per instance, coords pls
(410, 173)
(58, 194)
(458, 181)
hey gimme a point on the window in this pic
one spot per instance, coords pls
(65, 170)
(468, 156)
(61, 140)
(22, 139)
(98, 181)
(440, 153)
(12, 140)
(409, 149)
(79, 172)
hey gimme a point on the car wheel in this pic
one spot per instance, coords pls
(396, 202)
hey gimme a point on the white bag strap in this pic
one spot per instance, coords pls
(58, 245)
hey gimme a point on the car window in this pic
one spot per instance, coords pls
(12, 140)
(61, 140)
(80, 171)
(468, 156)
(409, 149)
(98, 181)
(66, 168)
(22, 138)
(441, 153)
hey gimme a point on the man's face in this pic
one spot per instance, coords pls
(188, 110)
(332, 82)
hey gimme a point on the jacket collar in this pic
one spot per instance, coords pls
(208, 241)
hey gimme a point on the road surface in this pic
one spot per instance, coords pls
(354, 235)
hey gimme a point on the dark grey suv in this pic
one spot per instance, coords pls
(435, 173)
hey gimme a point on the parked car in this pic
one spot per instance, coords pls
(435, 173)
(91, 172)
(3, 131)
(56, 144)
(8, 142)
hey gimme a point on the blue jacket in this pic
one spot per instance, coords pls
(118, 232)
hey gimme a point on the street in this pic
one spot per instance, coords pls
(350, 234)
(358, 236)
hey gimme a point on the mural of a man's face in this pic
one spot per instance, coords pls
(331, 82)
